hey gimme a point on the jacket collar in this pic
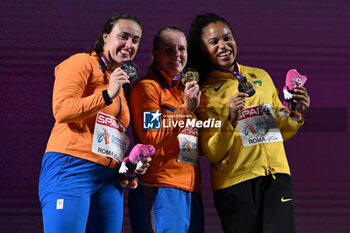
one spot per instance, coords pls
(166, 81)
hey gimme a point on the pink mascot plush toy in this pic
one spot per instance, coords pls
(132, 163)
(289, 109)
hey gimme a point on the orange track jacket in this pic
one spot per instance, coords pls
(77, 98)
(154, 93)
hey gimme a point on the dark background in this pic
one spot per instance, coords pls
(312, 36)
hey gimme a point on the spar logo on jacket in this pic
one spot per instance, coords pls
(257, 125)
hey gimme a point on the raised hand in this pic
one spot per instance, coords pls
(302, 99)
(116, 81)
(236, 104)
(192, 95)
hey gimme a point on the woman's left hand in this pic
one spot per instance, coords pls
(302, 99)
(143, 168)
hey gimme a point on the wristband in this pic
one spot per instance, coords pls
(106, 97)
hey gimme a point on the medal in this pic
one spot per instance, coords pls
(130, 69)
(127, 66)
(245, 87)
(188, 75)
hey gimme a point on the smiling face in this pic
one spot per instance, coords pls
(219, 44)
(171, 54)
(123, 41)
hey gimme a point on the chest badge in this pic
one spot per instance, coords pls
(218, 88)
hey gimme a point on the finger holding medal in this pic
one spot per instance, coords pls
(116, 81)
(236, 104)
(192, 95)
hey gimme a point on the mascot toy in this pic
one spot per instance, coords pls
(133, 162)
(289, 109)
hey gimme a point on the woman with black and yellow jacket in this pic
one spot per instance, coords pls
(250, 176)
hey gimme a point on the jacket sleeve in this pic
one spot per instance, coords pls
(146, 96)
(216, 142)
(68, 102)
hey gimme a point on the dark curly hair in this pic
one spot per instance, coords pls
(197, 59)
(98, 46)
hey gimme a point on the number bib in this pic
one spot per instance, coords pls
(188, 143)
(110, 139)
(257, 125)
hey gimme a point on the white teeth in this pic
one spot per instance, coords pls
(125, 52)
(225, 54)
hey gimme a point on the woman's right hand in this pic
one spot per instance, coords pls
(236, 104)
(116, 81)
(192, 95)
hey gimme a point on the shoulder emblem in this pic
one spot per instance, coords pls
(258, 82)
